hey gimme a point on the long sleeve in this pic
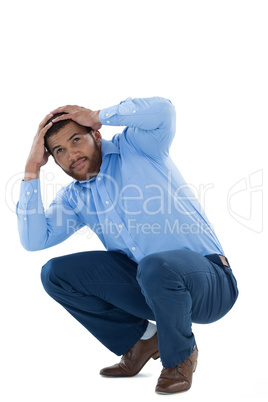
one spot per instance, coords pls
(40, 229)
(150, 123)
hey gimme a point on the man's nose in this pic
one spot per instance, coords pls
(73, 155)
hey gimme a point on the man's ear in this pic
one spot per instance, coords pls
(97, 135)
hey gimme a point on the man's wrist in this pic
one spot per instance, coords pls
(97, 123)
(32, 171)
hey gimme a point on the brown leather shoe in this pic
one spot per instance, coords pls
(178, 378)
(134, 359)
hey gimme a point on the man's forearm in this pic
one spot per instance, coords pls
(40, 229)
(142, 113)
(30, 214)
(31, 172)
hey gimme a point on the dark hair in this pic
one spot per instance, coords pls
(55, 128)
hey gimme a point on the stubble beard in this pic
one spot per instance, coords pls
(94, 164)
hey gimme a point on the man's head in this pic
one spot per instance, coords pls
(75, 148)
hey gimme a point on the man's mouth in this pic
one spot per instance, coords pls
(79, 163)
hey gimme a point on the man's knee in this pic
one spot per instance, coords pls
(48, 274)
(151, 273)
(156, 274)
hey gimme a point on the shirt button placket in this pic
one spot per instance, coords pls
(114, 217)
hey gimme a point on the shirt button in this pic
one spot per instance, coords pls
(133, 248)
(106, 114)
(108, 121)
(99, 178)
(134, 111)
(25, 219)
(28, 193)
(120, 226)
(35, 191)
(107, 202)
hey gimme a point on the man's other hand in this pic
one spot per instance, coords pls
(84, 117)
(38, 155)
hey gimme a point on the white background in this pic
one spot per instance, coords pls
(210, 59)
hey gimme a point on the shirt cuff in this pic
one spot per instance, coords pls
(29, 192)
(108, 116)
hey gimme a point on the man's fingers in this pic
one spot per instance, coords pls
(67, 109)
(47, 126)
(60, 109)
(43, 122)
(63, 117)
(43, 131)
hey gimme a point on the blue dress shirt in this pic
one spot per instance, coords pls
(139, 202)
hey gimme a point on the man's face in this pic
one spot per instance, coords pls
(76, 151)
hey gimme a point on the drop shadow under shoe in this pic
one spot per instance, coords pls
(178, 378)
(134, 359)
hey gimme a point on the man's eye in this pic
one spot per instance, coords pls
(59, 150)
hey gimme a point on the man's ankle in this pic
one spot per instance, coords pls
(150, 331)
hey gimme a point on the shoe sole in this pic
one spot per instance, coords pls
(172, 393)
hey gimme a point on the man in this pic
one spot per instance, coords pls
(163, 261)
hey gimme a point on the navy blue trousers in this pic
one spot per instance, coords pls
(113, 297)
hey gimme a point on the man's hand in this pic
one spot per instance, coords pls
(38, 155)
(84, 117)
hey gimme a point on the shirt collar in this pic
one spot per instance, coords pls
(107, 147)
